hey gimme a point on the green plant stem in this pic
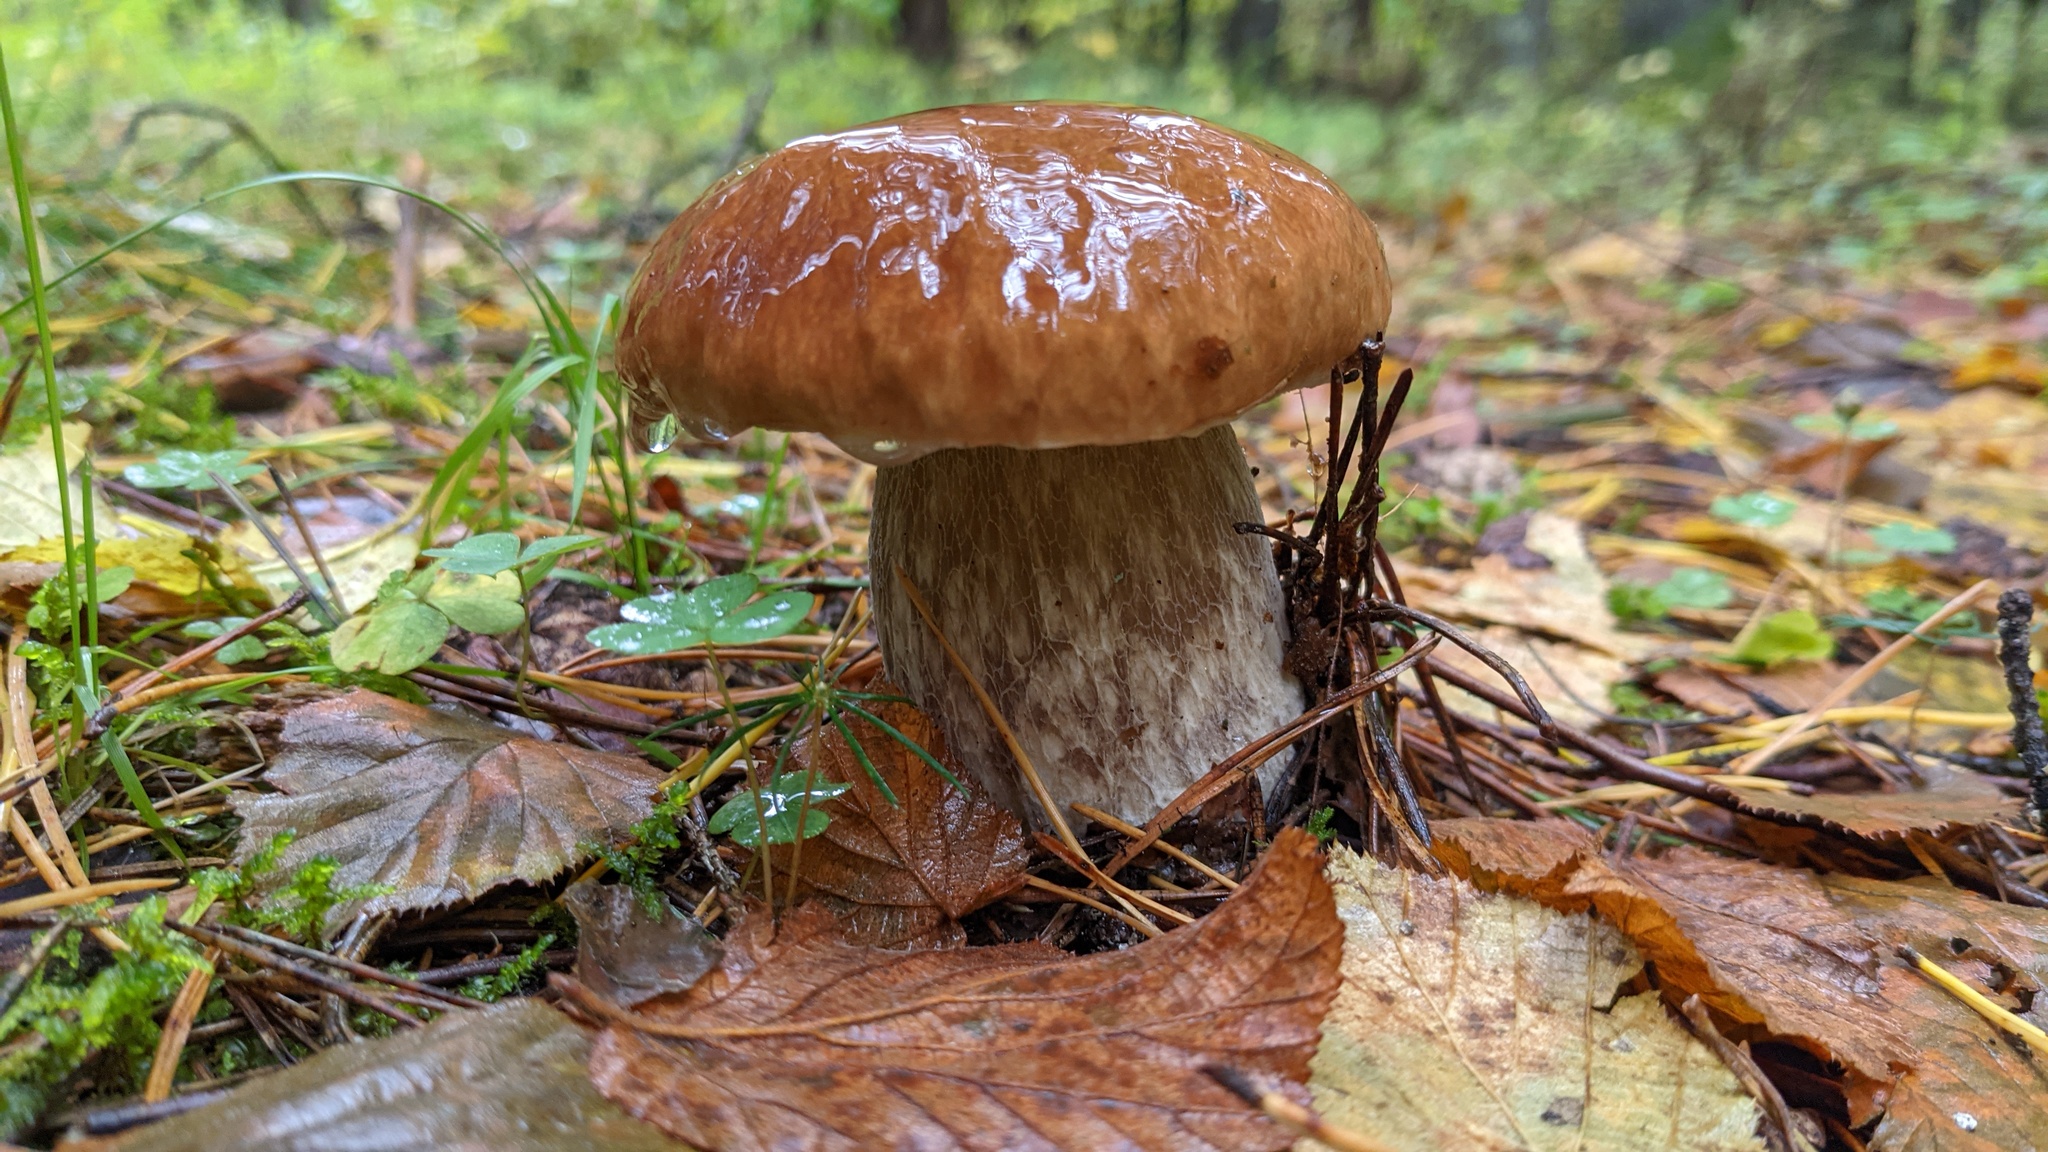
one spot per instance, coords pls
(46, 360)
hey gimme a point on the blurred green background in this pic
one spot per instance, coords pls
(1871, 118)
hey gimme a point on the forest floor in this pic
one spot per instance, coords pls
(1735, 499)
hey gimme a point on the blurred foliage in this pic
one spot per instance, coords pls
(617, 112)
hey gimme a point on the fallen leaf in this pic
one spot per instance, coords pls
(630, 952)
(803, 1039)
(1945, 799)
(901, 874)
(158, 560)
(362, 541)
(1566, 601)
(29, 511)
(2008, 364)
(508, 1078)
(1488, 1021)
(1809, 959)
(440, 807)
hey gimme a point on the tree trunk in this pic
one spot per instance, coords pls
(925, 27)
(1930, 45)
(1103, 597)
(1995, 62)
(1251, 38)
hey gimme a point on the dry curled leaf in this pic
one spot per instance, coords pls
(1809, 959)
(1488, 1021)
(439, 807)
(902, 874)
(508, 1078)
(802, 1039)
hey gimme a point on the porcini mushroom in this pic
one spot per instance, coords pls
(1038, 320)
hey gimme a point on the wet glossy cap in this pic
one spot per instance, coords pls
(1036, 276)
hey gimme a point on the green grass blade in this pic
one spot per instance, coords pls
(586, 411)
(461, 463)
(906, 741)
(45, 356)
(861, 754)
(131, 784)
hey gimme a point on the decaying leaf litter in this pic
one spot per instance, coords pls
(1687, 523)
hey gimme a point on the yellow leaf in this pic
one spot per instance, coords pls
(156, 560)
(1468, 1020)
(1779, 333)
(2000, 364)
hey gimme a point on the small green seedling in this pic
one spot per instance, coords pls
(1753, 509)
(1899, 536)
(1699, 588)
(774, 807)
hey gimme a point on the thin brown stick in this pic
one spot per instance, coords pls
(1291, 1115)
(170, 1046)
(995, 716)
(1144, 927)
(352, 967)
(298, 516)
(299, 972)
(186, 659)
(18, 978)
(1738, 1060)
(258, 1017)
(1109, 821)
(64, 897)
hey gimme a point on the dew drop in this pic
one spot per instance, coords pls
(661, 434)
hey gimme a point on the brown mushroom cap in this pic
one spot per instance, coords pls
(1030, 276)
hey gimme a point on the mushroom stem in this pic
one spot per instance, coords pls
(1106, 601)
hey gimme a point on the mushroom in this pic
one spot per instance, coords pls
(1038, 320)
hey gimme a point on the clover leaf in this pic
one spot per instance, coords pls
(715, 612)
(394, 637)
(486, 604)
(1695, 588)
(182, 468)
(778, 802)
(1900, 536)
(1753, 509)
(485, 554)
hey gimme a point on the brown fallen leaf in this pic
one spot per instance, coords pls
(1809, 959)
(1945, 799)
(508, 1078)
(902, 874)
(802, 1039)
(629, 952)
(440, 807)
(1468, 1020)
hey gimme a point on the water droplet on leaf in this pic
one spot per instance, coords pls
(662, 433)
